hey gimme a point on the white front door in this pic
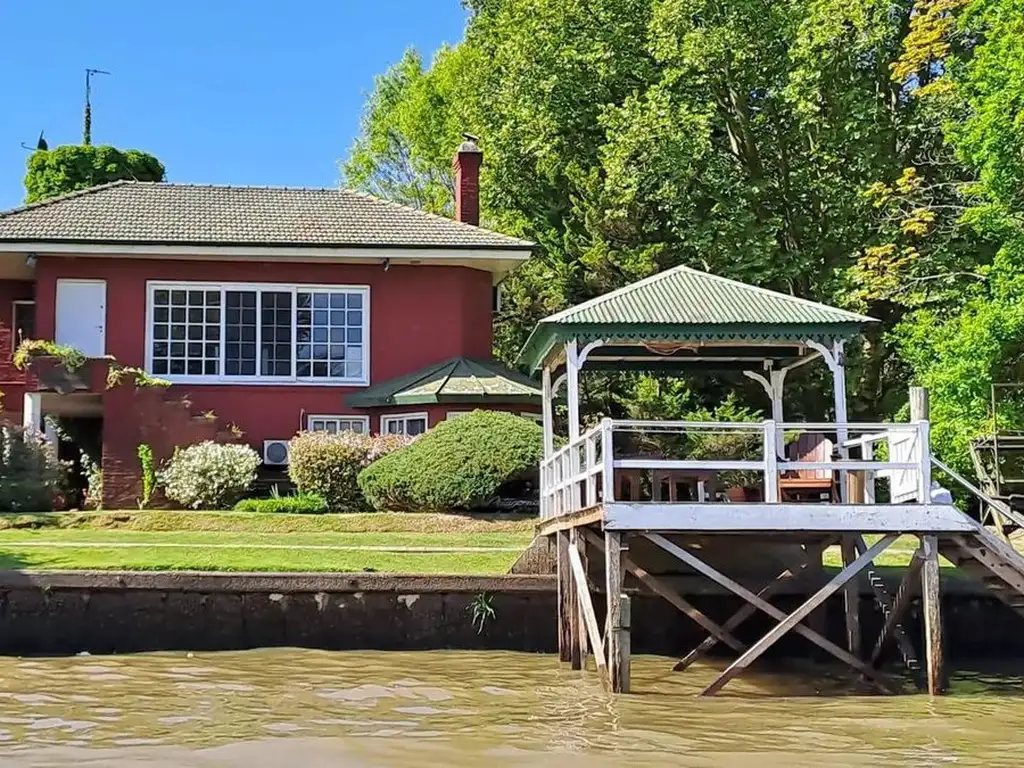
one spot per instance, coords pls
(82, 316)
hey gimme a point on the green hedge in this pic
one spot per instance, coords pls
(292, 505)
(459, 464)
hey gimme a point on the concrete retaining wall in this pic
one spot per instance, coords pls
(102, 612)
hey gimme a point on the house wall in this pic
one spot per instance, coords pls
(418, 315)
(12, 381)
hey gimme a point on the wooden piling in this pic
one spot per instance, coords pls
(579, 543)
(851, 598)
(613, 594)
(565, 601)
(624, 642)
(935, 660)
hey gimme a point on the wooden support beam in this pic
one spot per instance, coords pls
(822, 642)
(570, 606)
(590, 619)
(566, 598)
(901, 601)
(935, 657)
(613, 602)
(625, 643)
(793, 620)
(888, 606)
(663, 590)
(851, 598)
(581, 548)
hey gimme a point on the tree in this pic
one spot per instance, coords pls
(811, 147)
(72, 167)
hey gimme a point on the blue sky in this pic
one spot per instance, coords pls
(222, 91)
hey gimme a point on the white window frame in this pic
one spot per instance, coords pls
(456, 414)
(364, 420)
(14, 320)
(539, 418)
(154, 285)
(386, 420)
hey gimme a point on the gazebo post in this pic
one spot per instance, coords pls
(773, 385)
(547, 412)
(572, 371)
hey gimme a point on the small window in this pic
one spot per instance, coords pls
(336, 424)
(496, 299)
(23, 322)
(404, 424)
(456, 414)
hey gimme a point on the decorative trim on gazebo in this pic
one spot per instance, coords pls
(456, 380)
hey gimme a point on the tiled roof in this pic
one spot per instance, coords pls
(167, 214)
(457, 380)
(686, 304)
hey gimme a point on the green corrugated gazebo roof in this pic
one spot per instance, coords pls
(458, 380)
(685, 305)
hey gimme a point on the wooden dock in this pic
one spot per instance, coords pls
(603, 543)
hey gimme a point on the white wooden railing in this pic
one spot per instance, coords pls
(583, 472)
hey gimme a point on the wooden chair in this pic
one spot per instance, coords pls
(810, 484)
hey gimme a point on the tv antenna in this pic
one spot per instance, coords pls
(40, 144)
(87, 128)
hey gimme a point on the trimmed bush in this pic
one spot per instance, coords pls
(459, 464)
(209, 475)
(31, 477)
(291, 505)
(327, 465)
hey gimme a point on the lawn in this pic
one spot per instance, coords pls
(229, 541)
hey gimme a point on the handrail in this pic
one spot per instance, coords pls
(1002, 506)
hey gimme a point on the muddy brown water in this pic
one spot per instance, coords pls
(286, 708)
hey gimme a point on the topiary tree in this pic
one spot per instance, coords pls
(459, 464)
(73, 167)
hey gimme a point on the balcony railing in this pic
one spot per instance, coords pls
(706, 462)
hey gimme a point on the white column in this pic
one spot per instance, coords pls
(773, 386)
(572, 371)
(50, 433)
(838, 366)
(547, 412)
(32, 411)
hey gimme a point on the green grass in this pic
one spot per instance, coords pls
(898, 553)
(241, 559)
(231, 541)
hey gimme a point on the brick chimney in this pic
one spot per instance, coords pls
(466, 165)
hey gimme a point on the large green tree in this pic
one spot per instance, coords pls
(816, 147)
(72, 167)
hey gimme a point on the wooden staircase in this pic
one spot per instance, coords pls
(984, 555)
(990, 560)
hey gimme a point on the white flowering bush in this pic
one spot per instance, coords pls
(209, 475)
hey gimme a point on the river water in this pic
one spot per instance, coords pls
(284, 708)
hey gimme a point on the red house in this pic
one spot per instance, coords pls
(271, 310)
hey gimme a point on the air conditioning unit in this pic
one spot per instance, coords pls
(275, 453)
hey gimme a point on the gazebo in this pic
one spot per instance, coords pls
(687, 320)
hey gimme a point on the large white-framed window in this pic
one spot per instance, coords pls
(335, 424)
(404, 424)
(258, 333)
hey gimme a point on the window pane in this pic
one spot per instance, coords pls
(240, 325)
(187, 320)
(335, 328)
(415, 426)
(24, 321)
(275, 333)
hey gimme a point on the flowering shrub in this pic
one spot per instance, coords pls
(209, 475)
(31, 477)
(327, 465)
